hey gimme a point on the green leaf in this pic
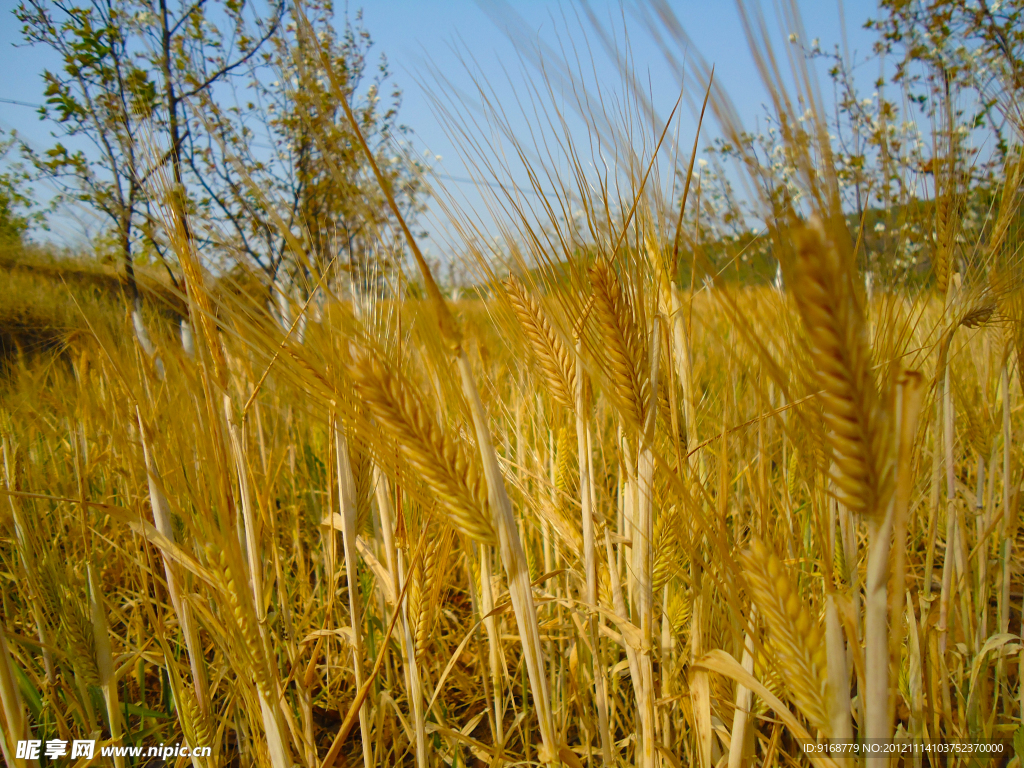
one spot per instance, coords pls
(29, 692)
(135, 709)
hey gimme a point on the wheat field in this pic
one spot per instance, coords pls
(610, 507)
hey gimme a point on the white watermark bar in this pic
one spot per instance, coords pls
(907, 747)
(86, 748)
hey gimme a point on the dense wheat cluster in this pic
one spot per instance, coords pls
(593, 514)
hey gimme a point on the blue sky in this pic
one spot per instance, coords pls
(418, 35)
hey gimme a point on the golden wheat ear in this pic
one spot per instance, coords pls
(978, 314)
(623, 344)
(556, 362)
(446, 466)
(667, 549)
(796, 638)
(858, 432)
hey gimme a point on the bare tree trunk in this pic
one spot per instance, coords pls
(135, 298)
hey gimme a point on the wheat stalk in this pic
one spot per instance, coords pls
(941, 252)
(104, 659)
(12, 708)
(259, 666)
(586, 490)
(162, 521)
(247, 627)
(744, 698)
(398, 573)
(643, 539)
(516, 570)
(347, 496)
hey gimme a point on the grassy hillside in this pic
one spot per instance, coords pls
(48, 301)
